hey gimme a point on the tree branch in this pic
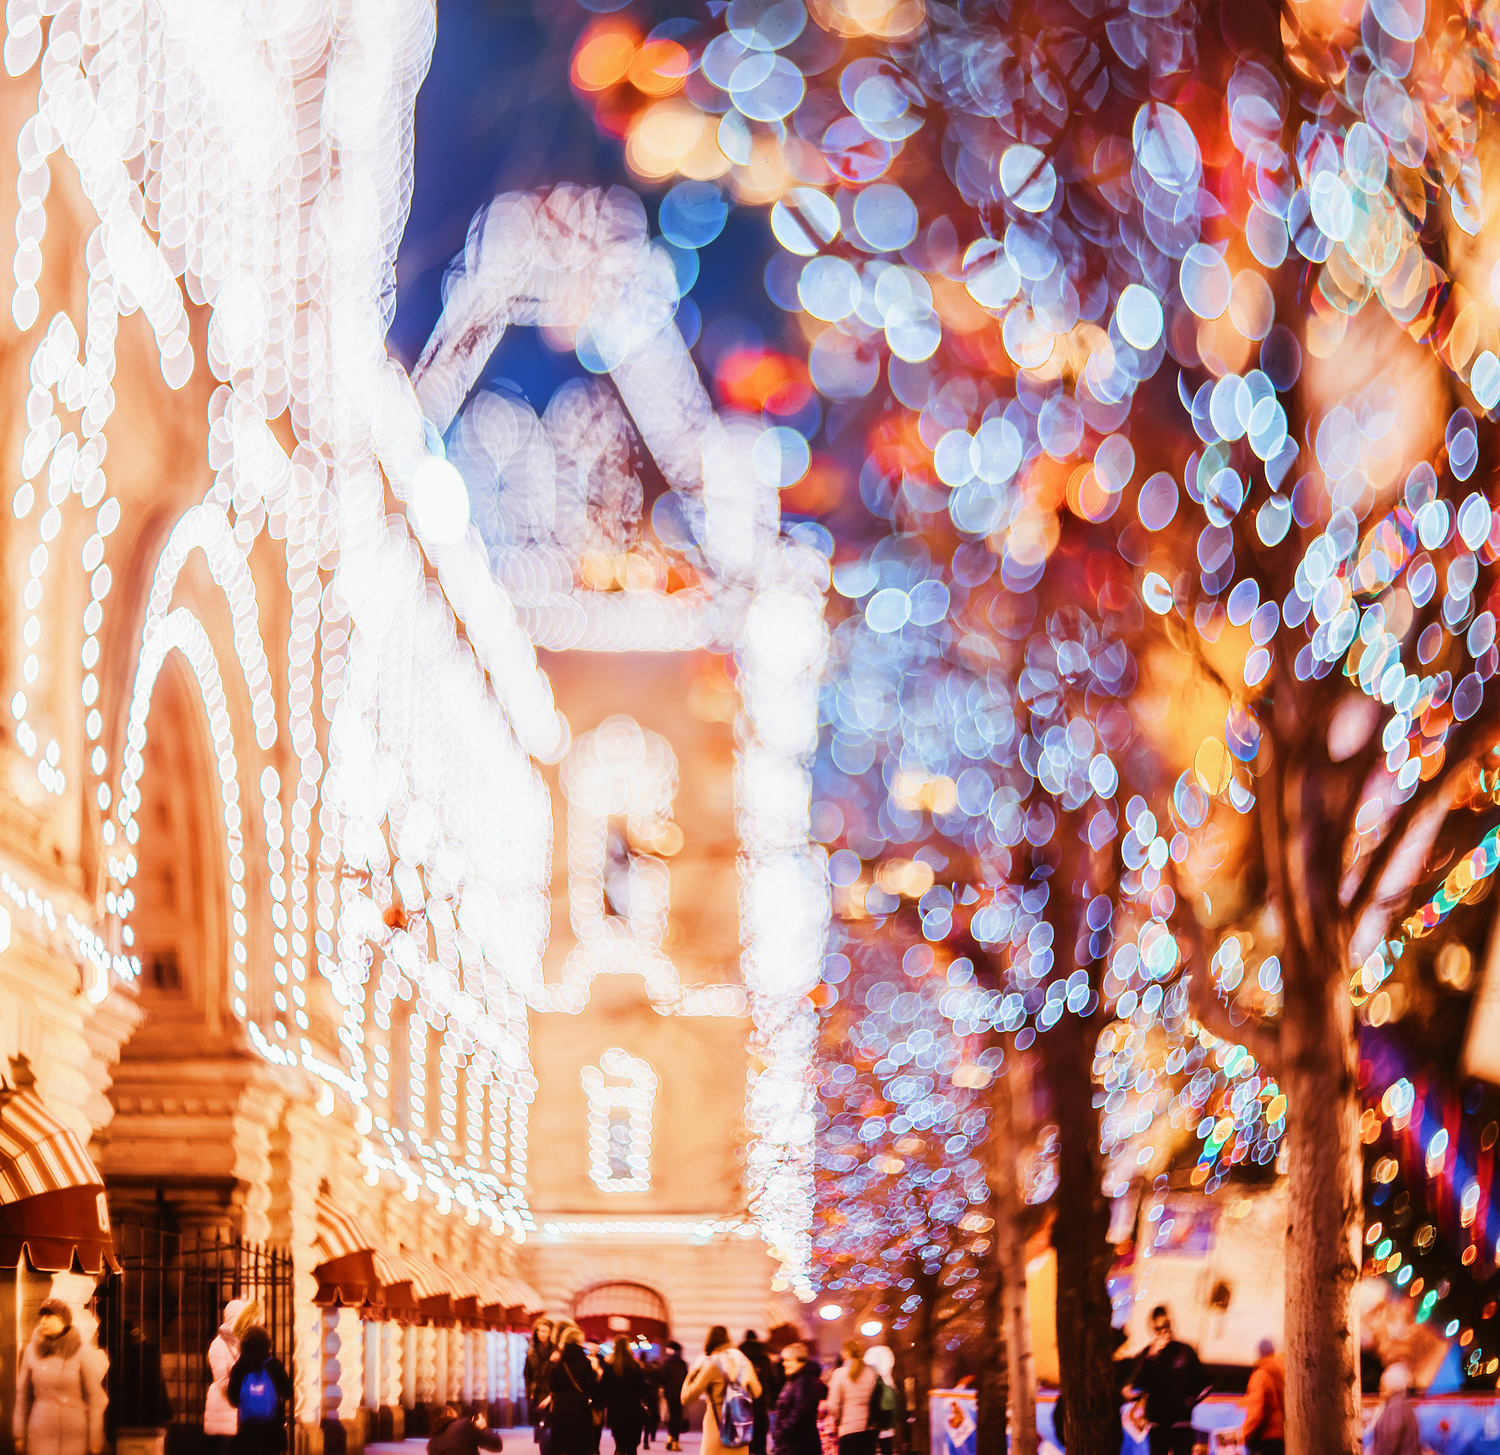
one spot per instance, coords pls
(1462, 762)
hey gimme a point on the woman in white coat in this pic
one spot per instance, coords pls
(221, 1421)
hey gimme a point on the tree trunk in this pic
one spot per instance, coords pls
(917, 1380)
(992, 1383)
(1010, 1269)
(1080, 1236)
(1324, 1212)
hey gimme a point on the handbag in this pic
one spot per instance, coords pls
(595, 1413)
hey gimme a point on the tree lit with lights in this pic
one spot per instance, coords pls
(1205, 292)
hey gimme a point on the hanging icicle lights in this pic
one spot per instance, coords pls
(403, 828)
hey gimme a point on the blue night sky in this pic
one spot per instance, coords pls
(496, 113)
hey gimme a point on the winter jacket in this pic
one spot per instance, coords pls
(537, 1355)
(624, 1397)
(460, 1437)
(259, 1437)
(711, 1377)
(1395, 1429)
(572, 1383)
(795, 1428)
(674, 1373)
(1173, 1382)
(1265, 1401)
(219, 1416)
(60, 1397)
(849, 1400)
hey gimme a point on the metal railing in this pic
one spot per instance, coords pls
(159, 1314)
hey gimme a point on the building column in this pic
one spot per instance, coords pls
(427, 1365)
(455, 1339)
(329, 1370)
(390, 1380)
(440, 1367)
(370, 1395)
(408, 1367)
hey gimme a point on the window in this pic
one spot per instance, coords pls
(621, 1090)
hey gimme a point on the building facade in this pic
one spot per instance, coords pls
(335, 914)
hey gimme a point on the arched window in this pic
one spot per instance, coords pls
(621, 1090)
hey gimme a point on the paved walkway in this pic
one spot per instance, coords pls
(518, 1441)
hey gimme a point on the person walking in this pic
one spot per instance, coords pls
(572, 1383)
(1395, 1429)
(890, 1404)
(453, 1434)
(538, 1357)
(713, 1377)
(794, 1424)
(625, 1394)
(674, 1373)
(259, 1388)
(850, 1392)
(1171, 1380)
(651, 1369)
(760, 1360)
(220, 1418)
(59, 1389)
(1264, 1430)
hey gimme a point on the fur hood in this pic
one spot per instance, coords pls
(65, 1345)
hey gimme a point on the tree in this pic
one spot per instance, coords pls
(1201, 182)
(1027, 209)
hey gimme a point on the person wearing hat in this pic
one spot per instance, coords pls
(1395, 1430)
(59, 1392)
(1264, 1430)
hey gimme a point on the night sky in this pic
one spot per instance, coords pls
(496, 113)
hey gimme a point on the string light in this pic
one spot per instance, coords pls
(621, 1092)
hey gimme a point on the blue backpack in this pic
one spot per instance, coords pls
(736, 1416)
(259, 1401)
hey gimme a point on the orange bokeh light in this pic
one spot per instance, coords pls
(761, 379)
(659, 68)
(604, 55)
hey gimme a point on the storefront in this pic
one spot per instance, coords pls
(55, 1237)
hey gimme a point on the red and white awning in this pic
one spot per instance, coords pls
(353, 1268)
(52, 1204)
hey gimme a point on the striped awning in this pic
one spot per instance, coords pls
(532, 1303)
(354, 1268)
(52, 1203)
(470, 1292)
(519, 1299)
(433, 1288)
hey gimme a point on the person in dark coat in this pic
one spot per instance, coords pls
(770, 1386)
(1167, 1373)
(452, 1434)
(258, 1433)
(625, 1391)
(652, 1371)
(538, 1356)
(572, 1383)
(794, 1425)
(674, 1373)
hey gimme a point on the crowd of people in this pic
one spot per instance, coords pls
(753, 1400)
(1168, 1381)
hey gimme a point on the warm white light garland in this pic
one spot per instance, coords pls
(622, 1095)
(267, 165)
(580, 264)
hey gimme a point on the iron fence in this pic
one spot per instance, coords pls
(159, 1314)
